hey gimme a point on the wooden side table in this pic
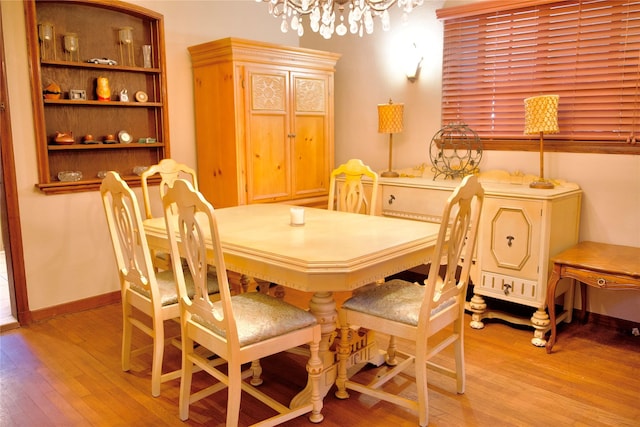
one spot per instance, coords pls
(600, 265)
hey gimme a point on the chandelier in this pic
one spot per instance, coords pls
(323, 13)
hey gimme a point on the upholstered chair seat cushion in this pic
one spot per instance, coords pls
(396, 300)
(169, 290)
(260, 317)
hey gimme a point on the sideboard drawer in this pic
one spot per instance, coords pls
(424, 204)
(515, 289)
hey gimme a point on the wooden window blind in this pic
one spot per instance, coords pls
(498, 53)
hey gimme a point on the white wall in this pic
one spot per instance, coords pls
(66, 246)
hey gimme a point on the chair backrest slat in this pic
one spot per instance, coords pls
(129, 241)
(169, 171)
(350, 195)
(455, 244)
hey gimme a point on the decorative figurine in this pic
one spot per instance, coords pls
(124, 95)
(103, 90)
(64, 138)
(52, 91)
(110, 139)
(89, 139)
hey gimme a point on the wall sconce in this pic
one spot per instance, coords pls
(414, 61)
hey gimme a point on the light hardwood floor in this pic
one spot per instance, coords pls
(66, 372)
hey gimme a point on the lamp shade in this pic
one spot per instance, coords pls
(541, 114)
(390, 117)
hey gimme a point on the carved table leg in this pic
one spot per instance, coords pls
(477, 306)
(323, 307)
(244, 282)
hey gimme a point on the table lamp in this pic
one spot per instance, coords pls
(390, 121)
(540, 117)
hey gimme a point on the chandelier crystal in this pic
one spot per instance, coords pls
(327, 17)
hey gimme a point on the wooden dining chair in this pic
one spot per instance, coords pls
(349, 195)
(239, 329)
(168, 170)
(152, 294)
(417, 312)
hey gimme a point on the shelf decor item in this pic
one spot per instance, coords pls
(69, 176)
(71, 47)
(52, 91)
(141, 96)
(146, 56)
(540, 117)
(390, 120)
(47, 36)
(125, 39)
(103, 90)
(77, 94)
(64, 138)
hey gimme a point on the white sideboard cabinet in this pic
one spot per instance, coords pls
(521, 229)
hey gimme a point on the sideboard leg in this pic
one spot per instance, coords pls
(540, 322)
(477, 306)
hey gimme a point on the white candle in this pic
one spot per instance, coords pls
(297, 216)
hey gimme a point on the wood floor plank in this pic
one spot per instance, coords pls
(66, 372)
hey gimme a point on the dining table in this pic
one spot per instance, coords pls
(332, 251)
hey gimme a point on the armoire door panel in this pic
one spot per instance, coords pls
(310, 94)
(310, 160)
(267, 158)
(268, 91)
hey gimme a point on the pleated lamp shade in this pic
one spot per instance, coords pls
(540, 117)
(541, 114)
(390, 117)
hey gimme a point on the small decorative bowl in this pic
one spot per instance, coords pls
(69, 176)
(139, 170)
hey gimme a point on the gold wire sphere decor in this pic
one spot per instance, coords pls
(455, 151)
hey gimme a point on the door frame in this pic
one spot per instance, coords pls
(9, 206)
